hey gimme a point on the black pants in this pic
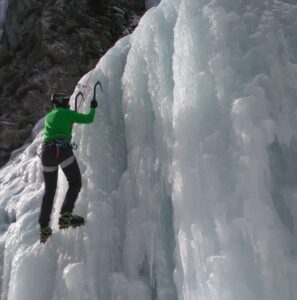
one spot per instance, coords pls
(52, 156)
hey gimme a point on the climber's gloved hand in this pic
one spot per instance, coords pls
(94, 103)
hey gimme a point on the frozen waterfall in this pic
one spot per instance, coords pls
(189, 170)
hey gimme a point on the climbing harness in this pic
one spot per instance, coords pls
(59, 144)
(63, 144)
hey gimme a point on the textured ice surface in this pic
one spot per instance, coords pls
(189, 170)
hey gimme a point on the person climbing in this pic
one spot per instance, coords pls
(57, 150)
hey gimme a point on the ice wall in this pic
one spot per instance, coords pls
(234, 120)
(189, 180)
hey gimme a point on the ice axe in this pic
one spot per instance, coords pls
(79, 94)
(82, 95)
(95, 87)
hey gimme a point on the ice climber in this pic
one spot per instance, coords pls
(57, 150)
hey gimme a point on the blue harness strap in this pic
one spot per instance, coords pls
(61, 144)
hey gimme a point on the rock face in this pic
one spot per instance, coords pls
(47, 46)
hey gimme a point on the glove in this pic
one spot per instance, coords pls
(94, 103)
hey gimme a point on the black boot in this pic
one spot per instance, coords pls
(68, 219)
(45, 233)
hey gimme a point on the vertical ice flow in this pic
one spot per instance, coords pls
(189, 180)
(234, 71)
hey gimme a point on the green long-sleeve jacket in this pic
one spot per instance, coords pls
(58, 122)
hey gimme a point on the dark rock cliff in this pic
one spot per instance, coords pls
(47, 46)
